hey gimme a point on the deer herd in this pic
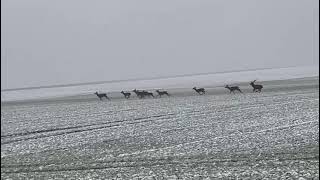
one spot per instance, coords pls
(201, 91)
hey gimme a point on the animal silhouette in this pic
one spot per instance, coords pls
(142, 94)
(200, 91)
(233, 88)
(256, 87)
(100, 96)
(138, 93)
(126, 94)
(146, 93)
(160, 93)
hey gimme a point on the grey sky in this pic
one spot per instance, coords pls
(45, 42)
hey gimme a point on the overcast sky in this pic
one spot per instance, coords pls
(45, 42)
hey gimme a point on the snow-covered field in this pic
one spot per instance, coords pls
(204, 80)
(273, 134)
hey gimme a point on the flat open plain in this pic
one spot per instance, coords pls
(273, 134)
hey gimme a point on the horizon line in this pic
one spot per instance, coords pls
(136, 79)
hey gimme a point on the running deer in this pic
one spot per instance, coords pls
(126, 94)
(142, 94)
(233, 88)
(200, 91)
(256, 87)
(160, 93)
(100, 96)
(138, 93)
(146, 93)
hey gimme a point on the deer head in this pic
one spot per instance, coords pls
(252, 82)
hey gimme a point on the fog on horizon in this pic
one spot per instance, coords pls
(46, 42)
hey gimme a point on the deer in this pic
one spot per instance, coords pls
(142, 94)
(256, 87)
(200, 91)
(233, 88)
(160, 93)
(126, 94)
(100, 96)
(146, 93)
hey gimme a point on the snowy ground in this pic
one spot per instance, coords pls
(205, 80)
(273, 134)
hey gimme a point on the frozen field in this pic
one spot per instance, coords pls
(269, 135)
